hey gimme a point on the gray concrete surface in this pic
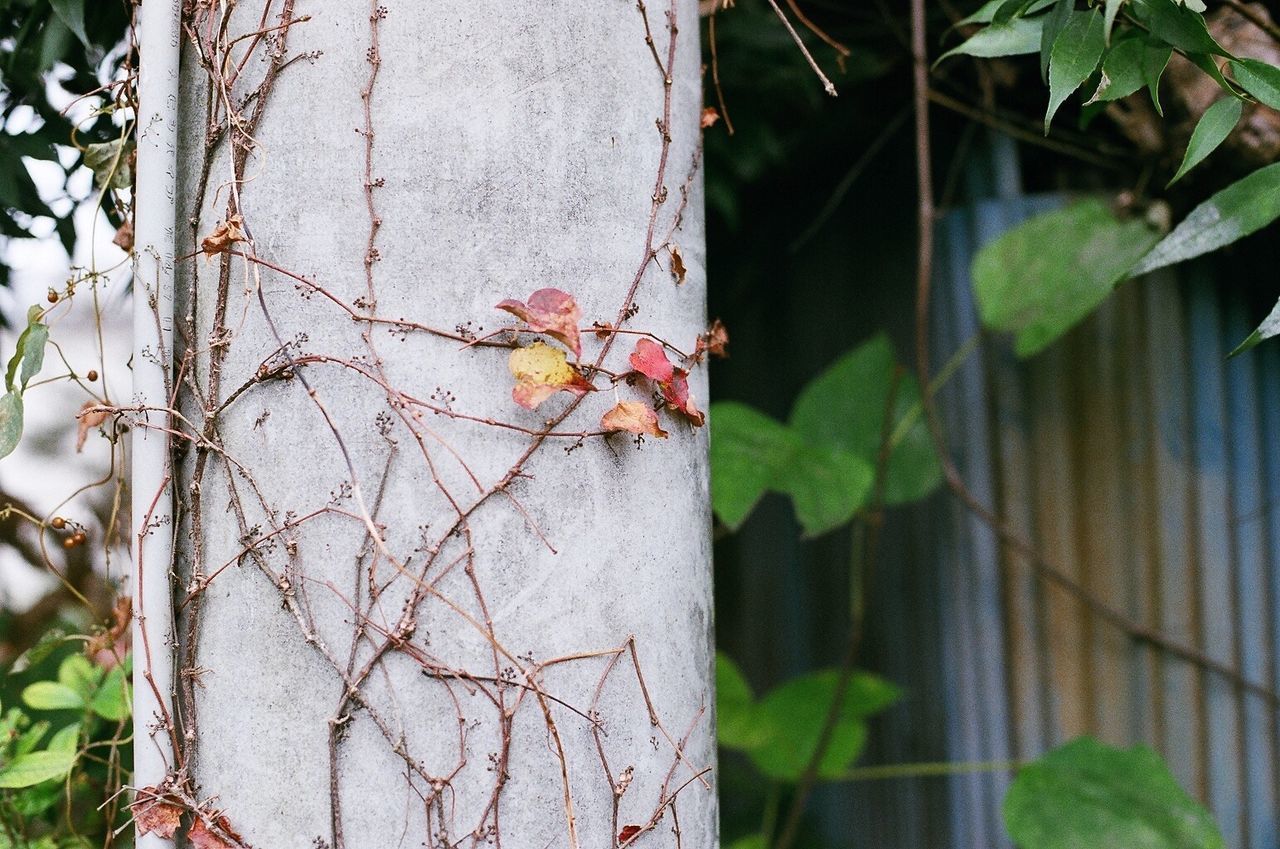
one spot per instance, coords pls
(518, 147)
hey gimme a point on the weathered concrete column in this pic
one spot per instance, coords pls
(415, 612)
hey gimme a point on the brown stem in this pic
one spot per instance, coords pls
(862, 579)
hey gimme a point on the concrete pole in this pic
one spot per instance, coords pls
(412, 611)
(150, 455)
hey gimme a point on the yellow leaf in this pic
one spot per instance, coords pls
(540, 372)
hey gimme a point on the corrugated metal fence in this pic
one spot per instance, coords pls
(1146, 466)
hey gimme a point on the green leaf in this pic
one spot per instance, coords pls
(31, 738)
(1122, 70)
(1075, 55)
(1112, 9)
(844, 406)
(10, 422)
(1211, 130)
(17, 189)
(114, 697)
(1260, 79)
(50, 695)
(44, 647)
(72, 14)
(28, 355)
(1154, 60)
(1054, 22)
(1177, 26)
(1244, 207)
(747, 449)
(736, 726)
(751, 841)
(1019, 36)
(54, 41)
(34, 801)
(33, 353)
(10, 724)
(792, 717)
(827, 485)
(1209, 65)
(109, 162)
(1088, 794)
(80, 676)
(1270, 327)
(987, 12)
(66, 739)
(1042, 277)
(1009, 10)
(35, 767)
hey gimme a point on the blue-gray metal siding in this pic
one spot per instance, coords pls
(1147, 467)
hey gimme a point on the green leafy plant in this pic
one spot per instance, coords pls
(1067, 262)
(50, 49)
(1042, 277)
(781, 731)
(1089, 794)
(63, 748)
(824, 458)
(26, 362)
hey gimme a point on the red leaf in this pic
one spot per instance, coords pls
(633, 417)
(650, 360)
(628, 832)
(552, 312)
(155, 813)
(676, 393)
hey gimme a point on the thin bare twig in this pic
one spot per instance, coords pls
(795, 36)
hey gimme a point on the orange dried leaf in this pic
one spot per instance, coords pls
(633, 417)
(677, 265)
(628, 832)
(155, 813)
(124, 237)
(220, 836)
(223, 236)
(107, 648)
(714, 342)
(709, 116)
(552, 312)
(90, 416)
(540, 372)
